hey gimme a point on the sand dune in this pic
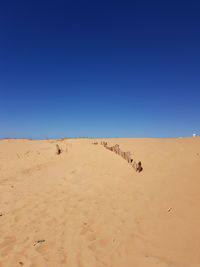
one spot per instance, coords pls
(87, 207)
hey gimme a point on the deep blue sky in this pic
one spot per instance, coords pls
(99, 69)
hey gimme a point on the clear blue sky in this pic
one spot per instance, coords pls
(99, 68)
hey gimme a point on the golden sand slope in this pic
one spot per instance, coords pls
(92, 209)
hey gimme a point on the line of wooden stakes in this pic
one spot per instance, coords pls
(125, 155)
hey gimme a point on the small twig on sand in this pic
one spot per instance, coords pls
(39, 241)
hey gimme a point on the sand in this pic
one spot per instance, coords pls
(89, 208)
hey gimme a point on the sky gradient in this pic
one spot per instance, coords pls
(99, 69)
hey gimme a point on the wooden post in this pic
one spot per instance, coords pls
(134, 165)
(58, 150)
(139, 166)
(116, 149)
(129, 157)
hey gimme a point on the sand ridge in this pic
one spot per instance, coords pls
(90, 208)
